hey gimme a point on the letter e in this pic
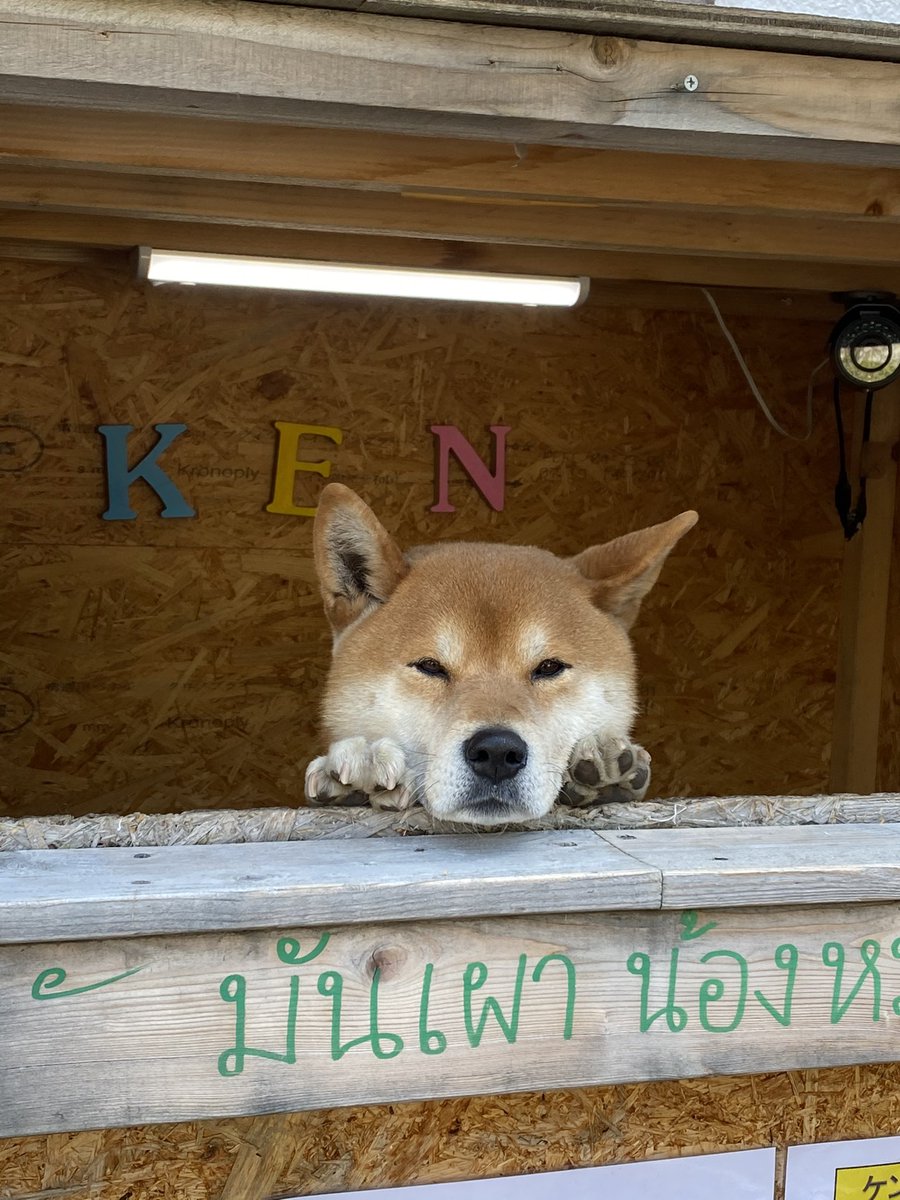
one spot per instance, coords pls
(287, 466)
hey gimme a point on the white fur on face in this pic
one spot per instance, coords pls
(534, 644)
(448, 647)
(550, 720)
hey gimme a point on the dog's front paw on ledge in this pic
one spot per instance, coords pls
(604, 771)
(357, 772)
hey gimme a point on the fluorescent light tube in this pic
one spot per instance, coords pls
(282, 274)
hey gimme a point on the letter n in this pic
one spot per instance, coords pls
(490, 484)
(119, 477)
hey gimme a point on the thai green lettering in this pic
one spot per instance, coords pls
(570, 987)
(786, 958)
(233, 990)
(713, 990)
(675, 1014)
(834, 955)
(54, 977)
(431, 1041)
(331, 984)
(474, 978)
(895, 952)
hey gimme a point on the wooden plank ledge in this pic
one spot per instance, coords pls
(47, 895)
(828, 864)
(183, 982)
(220, 1018)
(51, 895)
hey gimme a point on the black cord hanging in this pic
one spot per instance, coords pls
(851, 516)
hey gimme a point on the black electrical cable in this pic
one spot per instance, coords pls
(852, 517)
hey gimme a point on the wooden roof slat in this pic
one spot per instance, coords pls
(47, 137)
(323, 67)
(582, 226)
(110, 232)
(703, 22)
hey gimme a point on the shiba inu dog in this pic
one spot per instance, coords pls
(479, 680)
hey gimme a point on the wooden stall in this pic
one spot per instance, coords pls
(159, 678)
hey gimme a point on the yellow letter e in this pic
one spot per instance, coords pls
(287, 465)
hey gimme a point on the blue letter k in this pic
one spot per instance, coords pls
(119, 478)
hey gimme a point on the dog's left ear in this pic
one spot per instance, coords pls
(623, 571)
(357, 561)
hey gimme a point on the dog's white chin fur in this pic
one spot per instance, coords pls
(457, 794)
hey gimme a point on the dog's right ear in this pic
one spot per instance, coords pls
(358, 562)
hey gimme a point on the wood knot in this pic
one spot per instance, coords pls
(875, 209)
(387, 961)
(609, 52)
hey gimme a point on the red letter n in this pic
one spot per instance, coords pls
(491, 485)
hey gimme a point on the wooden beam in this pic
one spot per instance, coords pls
(665, 20)
(159, 1029)
(110, 232)
(277, 63)
(577, 225)
(865, 596)
(33, 136)
(114, 892)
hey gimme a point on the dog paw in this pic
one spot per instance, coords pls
(604, 770)
(354, 771)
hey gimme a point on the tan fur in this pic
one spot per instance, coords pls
(489, 615)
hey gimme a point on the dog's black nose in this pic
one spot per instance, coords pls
(496, 754)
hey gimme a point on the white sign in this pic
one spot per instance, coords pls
(742, 1175)
(861, 1170)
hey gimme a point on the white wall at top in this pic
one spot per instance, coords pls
(851, 10)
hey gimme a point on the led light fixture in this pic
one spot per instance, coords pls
(282, 274)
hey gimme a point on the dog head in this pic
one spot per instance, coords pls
(485, 663)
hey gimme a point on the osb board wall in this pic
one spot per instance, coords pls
(162, 664)
(343, 1149)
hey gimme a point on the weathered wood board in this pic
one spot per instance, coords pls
(864, 28)
(116, 892)
(279, 64)
(173, 1028)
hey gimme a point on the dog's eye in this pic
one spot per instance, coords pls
(549, 668)
(430, 666)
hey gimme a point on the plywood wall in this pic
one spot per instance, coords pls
(338, 1150)
(161, 664)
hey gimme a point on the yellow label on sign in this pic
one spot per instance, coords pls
(881, 1182)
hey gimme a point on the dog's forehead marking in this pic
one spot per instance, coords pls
(448, 644)
(533, 642)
